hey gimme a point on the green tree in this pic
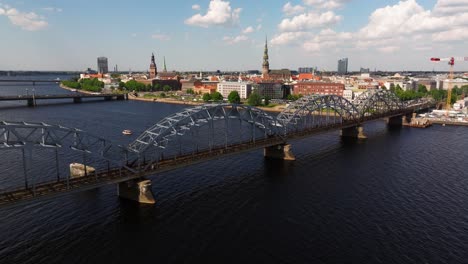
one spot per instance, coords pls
(167, 88)
(254, 99)
(190, 91)
(293, 97)
(115, 75)
(217, 97)
(392, 87)
(234, 97)
(267, 100)
(156, 87)
(206, 97)
(422, 88)
(162, 95)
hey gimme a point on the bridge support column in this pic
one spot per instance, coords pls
(136, 190)
(77, 100)
(282, 151)
(30, 102)
(353, 132)
(396, 121)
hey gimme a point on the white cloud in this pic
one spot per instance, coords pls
(219, 13)
(248, 30)
(290, 9)
(161, 37)
(53, 9)
(234, 40)
(388, 49)
(309, 21)
(456, 34)
(401, 27)
(289, 37)
(27, 21)
(450, 7)
(409, 18)
(326, 4)
(259, 27)
(196, 7)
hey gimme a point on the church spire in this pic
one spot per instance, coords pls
(165, 69)
(153, 68)
(266, 63)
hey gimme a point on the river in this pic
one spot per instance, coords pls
(399, 197)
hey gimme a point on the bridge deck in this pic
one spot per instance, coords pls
(60, 96)
(64, 186)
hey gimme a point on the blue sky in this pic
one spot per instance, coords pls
(229, 35)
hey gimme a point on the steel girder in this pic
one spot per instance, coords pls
(311, 105)
(31, 135)
(377, 102)
(190, 119)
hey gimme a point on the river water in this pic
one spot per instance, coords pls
(399, 197)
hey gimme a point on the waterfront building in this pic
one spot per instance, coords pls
(153, 71)
(175, 85)
(202, 87)
(323, 88)
(102, 65)
(348, 95)
(456, 82)
(243, 88)
(272, 90)
(343, 66)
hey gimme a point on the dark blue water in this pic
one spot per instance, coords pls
(399, 197)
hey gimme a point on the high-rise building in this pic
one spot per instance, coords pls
(102, 65)
(153, 71)
(306, 70)
(266, 63)
(343, 66)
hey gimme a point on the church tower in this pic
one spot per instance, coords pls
(153, 69)
(165, 69)
(266, 63)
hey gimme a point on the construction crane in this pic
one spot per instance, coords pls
(451, 62)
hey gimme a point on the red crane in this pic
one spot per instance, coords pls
(451, 62)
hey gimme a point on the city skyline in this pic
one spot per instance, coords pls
(229, 35)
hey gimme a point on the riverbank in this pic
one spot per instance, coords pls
(448, 122)
(275, 109)
(131, 96)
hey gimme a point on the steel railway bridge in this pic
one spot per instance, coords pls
(188, 137)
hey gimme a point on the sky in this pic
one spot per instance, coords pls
(229, 35)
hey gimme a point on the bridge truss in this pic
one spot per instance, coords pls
(200, 129)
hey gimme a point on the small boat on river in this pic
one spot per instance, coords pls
(127, 132)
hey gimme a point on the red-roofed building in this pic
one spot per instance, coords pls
(307, 88)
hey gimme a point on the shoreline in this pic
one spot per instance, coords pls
(276, 109)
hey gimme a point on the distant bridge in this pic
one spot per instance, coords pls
(191, 136)
(76, 97)
(27, 81)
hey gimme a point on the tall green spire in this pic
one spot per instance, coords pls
(266, 63)
(165, 69)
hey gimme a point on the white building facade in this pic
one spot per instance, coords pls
(243, 88)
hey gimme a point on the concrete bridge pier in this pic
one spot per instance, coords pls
(77, 100)
(281, 151)
(353, 132)
(30, 102)
(396, 121)
(138, 190)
